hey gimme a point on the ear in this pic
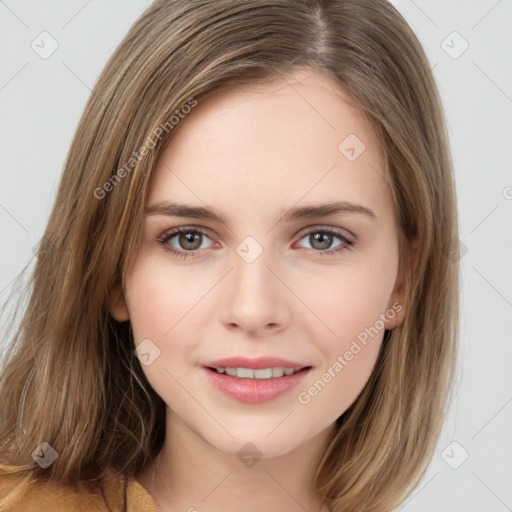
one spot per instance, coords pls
(398, 302)
(118, 307)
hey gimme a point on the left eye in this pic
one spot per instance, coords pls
(190, 240)
(323, 238)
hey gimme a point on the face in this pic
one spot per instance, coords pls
(272, 278)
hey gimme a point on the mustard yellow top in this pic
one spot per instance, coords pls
(120, 494)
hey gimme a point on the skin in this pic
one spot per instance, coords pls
(251, 153)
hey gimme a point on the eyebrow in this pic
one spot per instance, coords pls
(297, 213)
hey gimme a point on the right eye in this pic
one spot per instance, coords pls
(189, 240)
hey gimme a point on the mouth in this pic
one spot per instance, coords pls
(275, 372)
(255, 385)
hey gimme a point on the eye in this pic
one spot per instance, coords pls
(321, 240)
(189, 241)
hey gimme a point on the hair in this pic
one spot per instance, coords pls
(70, 376)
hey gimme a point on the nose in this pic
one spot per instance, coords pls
(255, 298)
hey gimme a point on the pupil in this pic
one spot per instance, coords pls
(324, 239)
(188, 238)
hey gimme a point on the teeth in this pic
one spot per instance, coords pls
(250, 373)
(278, 372)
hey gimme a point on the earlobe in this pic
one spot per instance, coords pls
(395, 314)
(118, 307)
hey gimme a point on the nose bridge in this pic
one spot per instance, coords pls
(251, 263)
(253, 296)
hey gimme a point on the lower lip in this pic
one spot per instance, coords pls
(255, 391)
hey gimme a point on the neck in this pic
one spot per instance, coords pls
(189, 474)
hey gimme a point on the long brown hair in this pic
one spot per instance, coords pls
(70, 377)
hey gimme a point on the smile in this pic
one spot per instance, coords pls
(260, 373)
(250, 386)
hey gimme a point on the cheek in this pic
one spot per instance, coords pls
(166, 307)
(349, 333)
(347, 302)
(349, 356)
(161, 298)
(353, 329)
(162, 304)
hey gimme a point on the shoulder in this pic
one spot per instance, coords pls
(138, 498)
(117, 492)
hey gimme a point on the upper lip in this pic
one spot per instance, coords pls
(256, 363)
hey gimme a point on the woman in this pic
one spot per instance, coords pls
(300, 356)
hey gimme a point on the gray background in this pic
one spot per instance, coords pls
(41, 101)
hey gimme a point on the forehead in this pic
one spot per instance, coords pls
(298, 136)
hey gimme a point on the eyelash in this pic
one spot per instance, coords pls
(348, 241)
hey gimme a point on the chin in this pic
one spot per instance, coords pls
(260, 445)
